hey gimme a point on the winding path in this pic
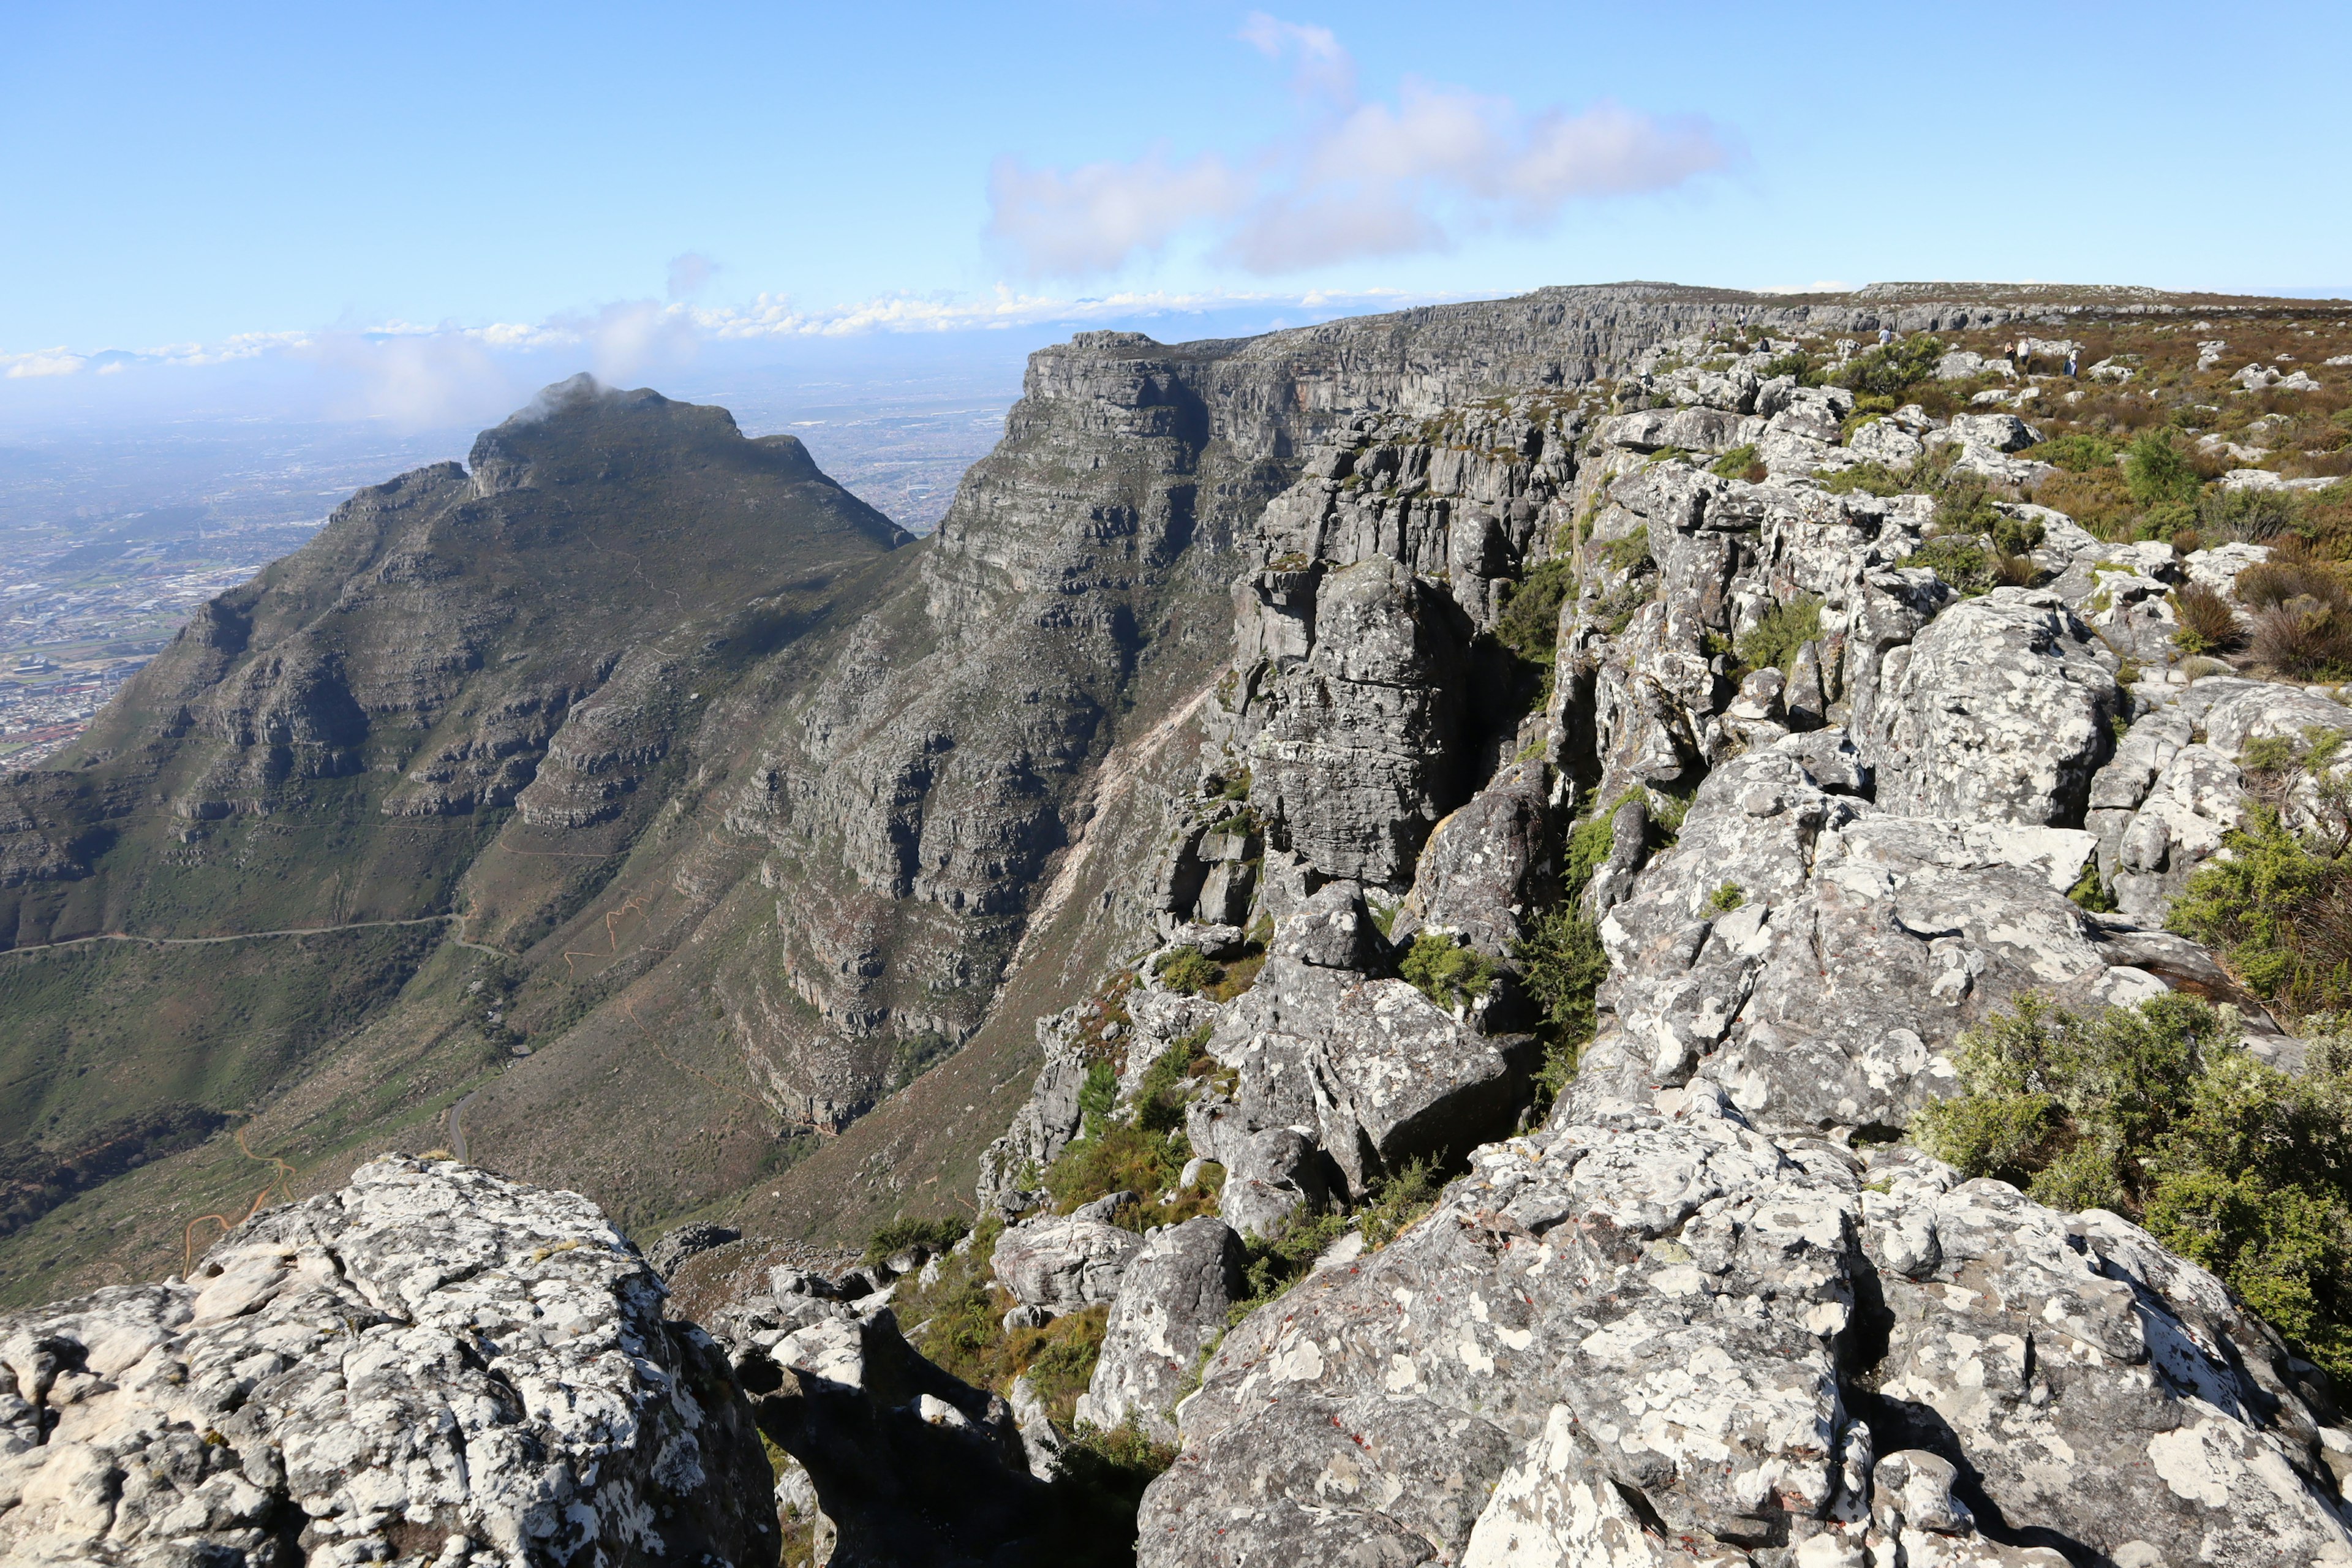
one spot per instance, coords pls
(252, 936)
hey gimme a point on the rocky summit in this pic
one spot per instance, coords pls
(1635, 926)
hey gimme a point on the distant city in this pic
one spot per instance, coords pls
(110, 542)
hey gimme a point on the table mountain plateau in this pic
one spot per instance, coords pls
(1426, 885)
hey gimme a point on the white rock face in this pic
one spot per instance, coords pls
(431, 1366)
(1063, 1262)
(1999, 711)
(1640, 1328)
(1172, 1305)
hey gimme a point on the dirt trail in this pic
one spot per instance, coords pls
(250, 936)
(1112, 781)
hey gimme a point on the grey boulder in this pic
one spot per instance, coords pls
(426, 1364)
(1172, 1305)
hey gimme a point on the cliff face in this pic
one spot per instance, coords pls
(1437, 866)
(751, 819)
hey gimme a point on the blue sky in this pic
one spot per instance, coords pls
(627, 187)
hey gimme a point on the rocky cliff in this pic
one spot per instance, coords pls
(1456, 858)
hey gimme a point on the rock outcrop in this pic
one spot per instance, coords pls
(1651, 1334)
(429, 1366)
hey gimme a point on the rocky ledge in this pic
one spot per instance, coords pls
(430, 1367)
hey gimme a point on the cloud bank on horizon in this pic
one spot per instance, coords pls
(423, 377)
(1354, 180)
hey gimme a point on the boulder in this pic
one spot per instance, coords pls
(427, 1363)
(1649, 1326)
(1487, 865)
(2162, 806)
(1372, 1070)
(1994, 432)
(910, 1467)
(1172, 1305)
(2000, 711)
(1063, 1262)
(1356, 752)
(1884, 441)
(676, 1246)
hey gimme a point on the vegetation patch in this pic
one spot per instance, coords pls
(1447, 971)
(1773, 641)
(1740, 463)
(2158, 1113)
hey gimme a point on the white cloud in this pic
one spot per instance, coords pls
(1355, 179)
(433, 377)
(1091, 219)
(41, 361)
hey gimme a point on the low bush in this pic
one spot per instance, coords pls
(1869, 479)
(2209, 622)
(2278, 908)
(2247, 516)
(1397, 1201)
(2077, 454)
(1630, 553)
(2016, 535)
(2158, 1113)
(2288, 576)
(2305, 638)
(1445, 970)
(2155, 470)
(1962, 507)
(2099, 501)
(1773, 641)
(1187, 972)
(933, 1236)
(1964, 565)
(1740, 463)
(1893, 369)
(1529, 626)
(1123, 1157)
(1563, 963)
(1727, 898)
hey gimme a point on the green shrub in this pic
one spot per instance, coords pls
(1589, 843)
(1962, 507)
(1965, 566)
(1124, 1157)
(2077, 454)
(1630, 553)
(1160, 1100)
(2278, 908)
(1097, 1096)
(1121, 1461)
(1893, 369)
(1870, 478)
(1279, 1261)
(1773, 641)
(1187, 972)
(2016, 535)
(1529, 626)
(1738, 463)
(934, 1235)
(2159, 1113)
(1563, 963)
(2158, 470)
(1727, 898)
(1449, 973)
(1397, 1201)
